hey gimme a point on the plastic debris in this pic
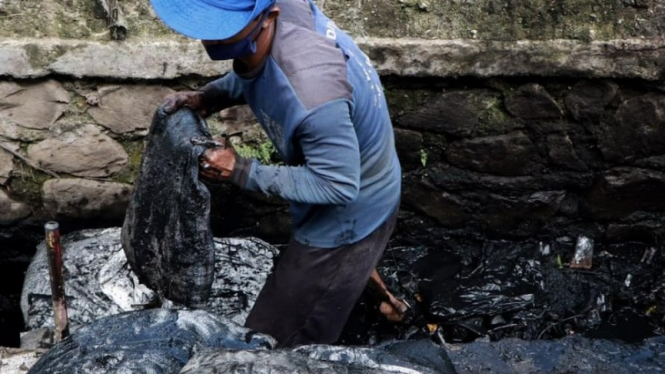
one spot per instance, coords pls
(648, 255)
(583, 253)
(100, 283)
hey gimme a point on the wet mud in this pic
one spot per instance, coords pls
(99, 281)
(150, 341)
(166, 233)
(462, 290)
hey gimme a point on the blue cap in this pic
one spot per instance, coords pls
(209, 19)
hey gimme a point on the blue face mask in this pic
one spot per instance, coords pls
(241, 48)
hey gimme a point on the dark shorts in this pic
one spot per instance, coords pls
(310, 294)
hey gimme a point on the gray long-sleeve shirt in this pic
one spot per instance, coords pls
(321, 103)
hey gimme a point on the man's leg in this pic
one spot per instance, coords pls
(310, 294)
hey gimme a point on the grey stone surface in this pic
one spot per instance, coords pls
(621, 191)
(6, 161)
(478, 19)
(238, 118)
(460, 57)
(36, 339)
(36, 106)
(18, 360)
(562, 153)
(84, 152)
(462, 113)
(461, 180)
(447, 209)
(12, 211)
(82, 198)
(532, 101)
(587, 99)
(410, 150)
(523, 215)
(126, 108)
(173, 58)
(13, 131)
(141, 59)
(637, 130)
(510, 154)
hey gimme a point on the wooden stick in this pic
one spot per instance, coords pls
(54, 250)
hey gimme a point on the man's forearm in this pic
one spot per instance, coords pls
(331, 171)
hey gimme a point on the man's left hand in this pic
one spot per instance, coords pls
(218, 163)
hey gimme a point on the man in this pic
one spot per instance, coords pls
(321, 103)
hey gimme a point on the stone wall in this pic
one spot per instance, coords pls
(512, 121)
(531, 157)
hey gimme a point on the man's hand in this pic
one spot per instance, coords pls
(194, 100)
(218, 163)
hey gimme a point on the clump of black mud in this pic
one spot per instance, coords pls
(462, 290)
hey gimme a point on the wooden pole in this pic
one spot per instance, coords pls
(54, 251)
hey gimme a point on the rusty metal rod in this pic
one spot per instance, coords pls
(54, 250)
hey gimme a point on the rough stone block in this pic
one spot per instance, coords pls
(447, 209)
(638, 129)
(238, 118)
(509, 155)
(83, 198)
(562, 153)
(460, 113)
(12, 211)
(622, 191)
(587, 99)
(126, 108)
(522, 216)
(6, 161)
(85, 152)
(18, 361)
(36, 106)
(532, 101)
(13, 131)
(409, 146)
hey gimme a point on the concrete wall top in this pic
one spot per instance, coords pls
(479, 38)
(168, 59)
(505, 20)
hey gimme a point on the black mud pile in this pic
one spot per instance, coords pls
(166, 341)
(150, 341)
(462, 290)
(573, 354)
(166, 234)
(416, 357)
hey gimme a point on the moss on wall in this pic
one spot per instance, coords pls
(437, 19)
(26, 184)
(134, 149)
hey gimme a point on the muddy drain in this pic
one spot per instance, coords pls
(463, 290)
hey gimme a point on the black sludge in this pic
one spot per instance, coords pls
(412, 357)
(145, 342)
(166, 234)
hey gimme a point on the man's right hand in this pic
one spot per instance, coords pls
(194, 100)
